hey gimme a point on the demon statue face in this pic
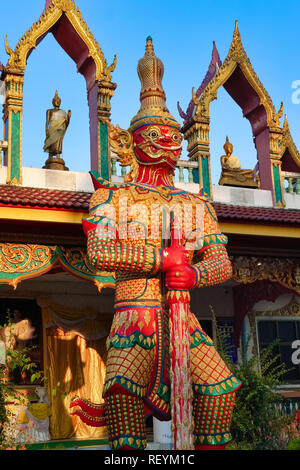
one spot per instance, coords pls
(156, 143)
(154, 136)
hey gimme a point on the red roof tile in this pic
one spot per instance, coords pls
(79, 201)
(263, 214)
(44, 198)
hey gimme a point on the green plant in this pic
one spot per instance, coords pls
(256, 423)
(15, 360)
(4, 391)
(8, 424)
(294, 444)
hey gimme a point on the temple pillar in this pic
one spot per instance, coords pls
(99, 97)
(196, 132)
(12, 117)
(276, 135)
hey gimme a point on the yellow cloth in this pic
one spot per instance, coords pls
(88, 323)
(75, 353)
(76, 367)
(40, 411)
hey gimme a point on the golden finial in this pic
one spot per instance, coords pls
(109, 70)
(149, 46)
(236, 51)
(8, 49)
(151, 71)
(278, 115)
(196, 102)
(236, 34)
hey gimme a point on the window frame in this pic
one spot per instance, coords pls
(289, 384)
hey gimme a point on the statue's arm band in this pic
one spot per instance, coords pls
(214, 267)
(106, 255)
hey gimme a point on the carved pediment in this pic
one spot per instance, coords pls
(237, 58)
(48, 19)
(287, 144)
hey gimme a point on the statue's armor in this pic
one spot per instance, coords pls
(127, 233)
(138, 352)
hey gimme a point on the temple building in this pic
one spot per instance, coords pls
(44, 273)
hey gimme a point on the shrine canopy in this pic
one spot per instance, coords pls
(290, 156)
(63, 19)
(275, 148)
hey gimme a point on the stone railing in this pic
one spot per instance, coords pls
(291, 182)
(183, 172)
(289, 406)
(3, 146)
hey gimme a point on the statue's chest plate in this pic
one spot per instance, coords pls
(145, 215)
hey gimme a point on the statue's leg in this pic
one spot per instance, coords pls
(128, 374)
(125, 417)
(214, 389)
(212, 418)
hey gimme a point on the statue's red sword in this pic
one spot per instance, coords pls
(180, 373)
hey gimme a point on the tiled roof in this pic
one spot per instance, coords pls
(258, 214)
(79, 201)
(44, 198)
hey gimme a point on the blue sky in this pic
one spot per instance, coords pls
(183, 33)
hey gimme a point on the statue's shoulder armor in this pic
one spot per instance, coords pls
(101, 183)
(101, 197)
(211, 210)
(203, 199)
(105, 191)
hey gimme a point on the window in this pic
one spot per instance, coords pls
(287, 331)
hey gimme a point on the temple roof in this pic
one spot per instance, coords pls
(240, 80)
(44, 198)
(290, 156)
(258, 214)
(16, 196)
(63, 19)
(213, 67)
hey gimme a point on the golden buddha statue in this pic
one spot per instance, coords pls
(232, 174)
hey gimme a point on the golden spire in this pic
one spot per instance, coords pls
(236, 28)
(152, 96)
(151, 71)
(236, 45)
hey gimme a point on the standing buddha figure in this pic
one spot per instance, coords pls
(128, 229)
(57, 122)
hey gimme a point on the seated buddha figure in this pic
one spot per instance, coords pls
(232, 174)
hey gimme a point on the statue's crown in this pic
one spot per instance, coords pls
(153, 98)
